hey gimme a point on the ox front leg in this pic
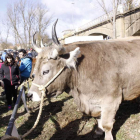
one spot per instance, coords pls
(99, 130)
(109, 109)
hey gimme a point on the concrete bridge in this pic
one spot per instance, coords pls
(127, 24)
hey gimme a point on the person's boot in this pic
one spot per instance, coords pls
(9, 107)
(3, 93)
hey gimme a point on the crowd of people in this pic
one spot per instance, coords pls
(15, 67)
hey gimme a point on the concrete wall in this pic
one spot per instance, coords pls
(82, 38)
(132, 24)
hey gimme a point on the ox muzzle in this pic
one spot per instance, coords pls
(33, 96)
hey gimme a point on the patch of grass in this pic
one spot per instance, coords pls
(2, 130)
(61, 120)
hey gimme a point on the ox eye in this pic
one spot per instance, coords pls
(45, 72)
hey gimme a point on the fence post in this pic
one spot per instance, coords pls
(15, 132)
(24, 100)
(11, 129)
(28, 86)
(12, 119)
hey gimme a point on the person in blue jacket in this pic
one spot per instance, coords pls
(25, 65)
(3, 55)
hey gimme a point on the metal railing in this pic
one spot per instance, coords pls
(96, 21)
(100, 20)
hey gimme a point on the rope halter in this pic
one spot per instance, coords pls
(43, 87)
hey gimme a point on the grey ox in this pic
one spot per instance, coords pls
(99, 75)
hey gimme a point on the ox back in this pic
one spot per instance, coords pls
(108, 64)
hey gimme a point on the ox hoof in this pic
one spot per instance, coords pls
(95, 136)
(78, 110)
(98, 133)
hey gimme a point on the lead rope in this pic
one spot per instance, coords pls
(35, 124)
(38, 117)
(42, 89)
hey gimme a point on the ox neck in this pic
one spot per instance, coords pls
(72, 80)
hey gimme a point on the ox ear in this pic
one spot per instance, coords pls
(71, 61)
(53, 54)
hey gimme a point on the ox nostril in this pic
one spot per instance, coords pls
(33, 76)
(33, 96)
(29, 96)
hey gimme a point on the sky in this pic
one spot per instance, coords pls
(71, 14)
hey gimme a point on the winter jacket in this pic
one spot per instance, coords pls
(3, 56)
(10, 74)
(25, 66)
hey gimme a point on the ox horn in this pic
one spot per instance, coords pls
(42, 43)
(54, 35)
(38, 50)
(58, 46)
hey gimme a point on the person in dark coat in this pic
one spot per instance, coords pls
(13, 54)
(34, 53)
(1, 62)
(10, 75)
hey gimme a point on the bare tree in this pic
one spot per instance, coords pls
(42, 21)
(129, 4)
(30, 21)
(22, 8)
(25, 18)
(14, 20)
(5, 45)
(4, 35)
(112, 20)
(6, 27)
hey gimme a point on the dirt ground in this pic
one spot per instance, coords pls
(60, 120)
